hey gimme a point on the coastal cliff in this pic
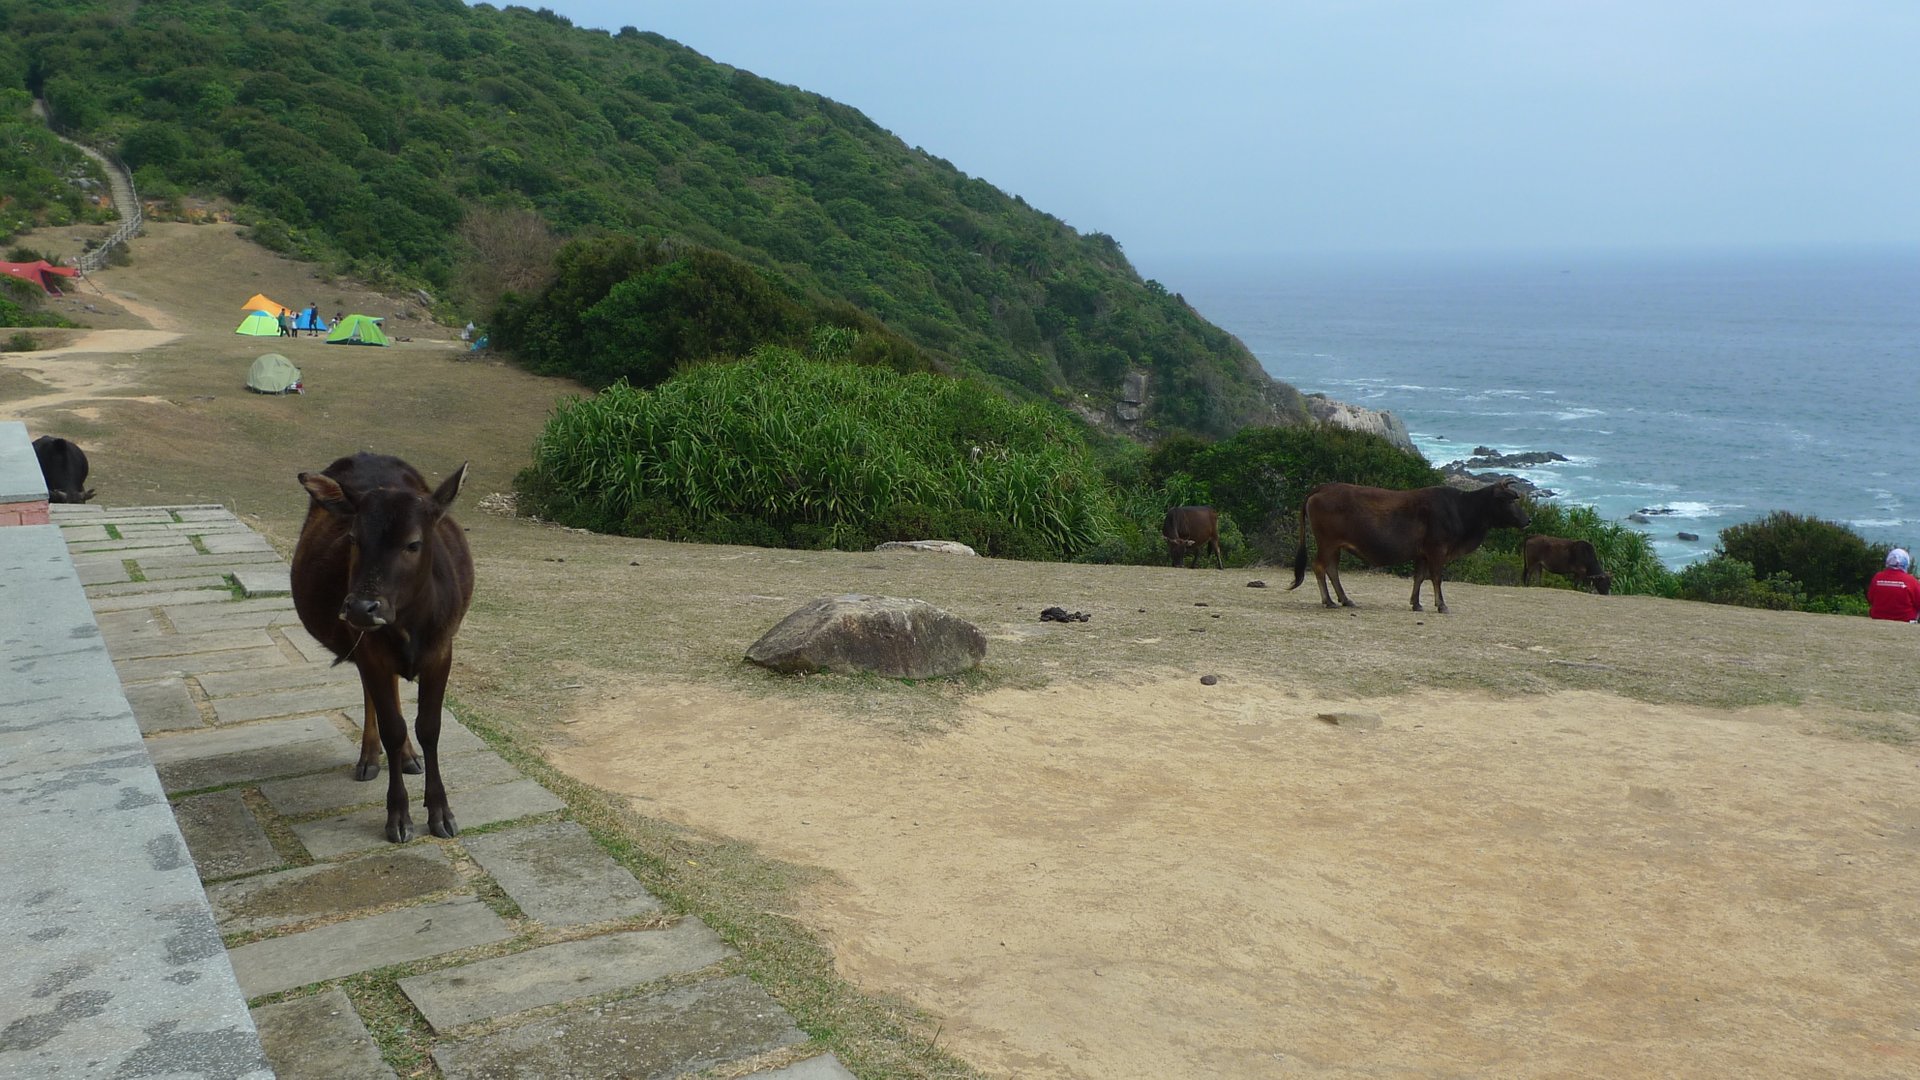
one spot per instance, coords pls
(1355, 418)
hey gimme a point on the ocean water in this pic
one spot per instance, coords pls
(1709, 388)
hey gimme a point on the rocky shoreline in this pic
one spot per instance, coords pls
(1488, 461)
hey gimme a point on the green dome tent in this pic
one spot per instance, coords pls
(356, 330)
(258, 324)
(273, 374)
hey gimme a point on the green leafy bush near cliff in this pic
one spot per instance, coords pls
(1626, 553)
(1824, 557)
(781, 450)
(36, 168)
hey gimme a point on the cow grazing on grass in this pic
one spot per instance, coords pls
(382, 576)
(1191, 530)
(1574, 559)
(64, 466)
(1429, 527)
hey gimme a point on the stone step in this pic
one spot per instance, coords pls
(327, 890)
(164, 705)
(365, 830)
(152, 645)
(224, 836)
(318, 1038)
(671, 1033)
(337, 790)
(259, 657)
(264, 751)
(559, 876)
(280, 677)
(342, 949)
(554, 974)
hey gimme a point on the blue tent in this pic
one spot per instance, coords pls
(309, 320)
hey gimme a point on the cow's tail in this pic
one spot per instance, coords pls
(1300, 552)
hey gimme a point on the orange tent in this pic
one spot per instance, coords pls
(271, 307)
(39, 273)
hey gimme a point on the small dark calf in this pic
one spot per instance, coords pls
(1573, 559)
(64, 466)
(1190, 531)
(382, 577)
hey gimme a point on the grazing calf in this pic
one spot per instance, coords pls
(64, 466)
(1429, 527)
(382, 577)
(1193, 529)
(1574, 559)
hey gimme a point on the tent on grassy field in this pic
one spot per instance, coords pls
(258, 324)
(273, 374)
(357, 330)
(309, 320)
(271, 307)
(40, 272)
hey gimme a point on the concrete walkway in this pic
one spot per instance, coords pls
(520, 949)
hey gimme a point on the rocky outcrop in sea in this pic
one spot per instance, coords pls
(1355, 418)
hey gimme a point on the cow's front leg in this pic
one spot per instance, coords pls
(368, 766)
(382, 690)
(433, 693)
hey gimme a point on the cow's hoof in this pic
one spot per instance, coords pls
(1442, 609)
(399, 829)
(413, 766)
(440, 823)
(366, 770)
(1348, 603)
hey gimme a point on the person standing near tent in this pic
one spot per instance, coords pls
(313, 319)
(286, 323)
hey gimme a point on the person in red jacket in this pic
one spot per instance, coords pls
(1893, 593)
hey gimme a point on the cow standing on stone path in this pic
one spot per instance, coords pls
(382, 577)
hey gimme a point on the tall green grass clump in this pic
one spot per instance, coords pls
(1627, 553)
(780, 450)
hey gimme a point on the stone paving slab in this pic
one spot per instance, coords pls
(558, 875)
(557, 973)
(244, 707)
(336, 789)
(138, 588)
(186, 644)
(224, 836)
(396, 937)
(207, 618)
(71, 533)
(166, 667)
(824, 1067)
(283, 676)
(671, 1033)
(134, 548)
(164, 706)
(254, 752)
(364, 830)
(395, 876)
(162, 599)
(103, 573)
(229, 543)
(265, 581)
(159, 566)
(180, 528)
(318, 1038)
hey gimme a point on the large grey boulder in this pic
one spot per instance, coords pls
(1356, 418)
(937, 547)
(884, 635)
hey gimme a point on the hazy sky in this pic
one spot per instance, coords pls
(1219, 128)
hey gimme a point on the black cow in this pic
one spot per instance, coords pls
(382, 577)
(1429, 527)
(65, 467)
(1574, 559)
(1192, 530)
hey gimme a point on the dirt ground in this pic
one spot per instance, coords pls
(1550, 834)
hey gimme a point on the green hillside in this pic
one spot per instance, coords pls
(365, 132)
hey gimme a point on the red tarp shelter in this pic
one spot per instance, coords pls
(37, 272)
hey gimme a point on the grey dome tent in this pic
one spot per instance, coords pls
(273, 374)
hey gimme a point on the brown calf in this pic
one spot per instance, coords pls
(1574, 559)
(382, 576)
(1429, 527)
(1192, 530)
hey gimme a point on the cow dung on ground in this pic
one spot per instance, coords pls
(854, 634)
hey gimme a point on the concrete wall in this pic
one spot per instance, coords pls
(113, 965)
(23, 491)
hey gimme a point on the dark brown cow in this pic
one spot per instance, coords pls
(1193, 529)
(1574, 559)
(1429, 527)
(382, 576)
(64, 466)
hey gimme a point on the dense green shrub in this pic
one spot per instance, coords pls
(781, 449)
(1723, 579)
(1824, 557)
(1626, 553)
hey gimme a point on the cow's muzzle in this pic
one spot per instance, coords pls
(364, 612)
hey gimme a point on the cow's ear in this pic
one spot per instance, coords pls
(327, 493)
(449, 488)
